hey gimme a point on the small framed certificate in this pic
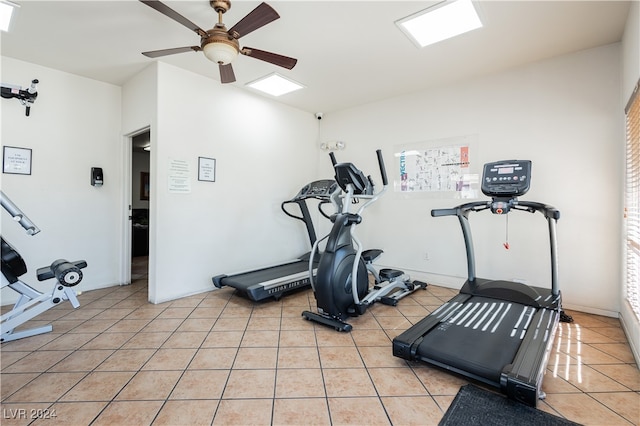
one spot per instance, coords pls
(207, 169)
(16, 160)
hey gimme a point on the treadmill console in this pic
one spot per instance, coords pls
(319, 189)
(506, 179)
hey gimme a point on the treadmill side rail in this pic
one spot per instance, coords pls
(522, 379)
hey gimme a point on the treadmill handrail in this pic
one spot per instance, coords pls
(548, 211)
(305, 217)
(462, 209)
(462, 212)
(322, 212)
(531, 206)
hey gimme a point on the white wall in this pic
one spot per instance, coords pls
(265, 152)
(139, 101)
(631, 52)
(564, 115)
(630, 77)
(74, 125)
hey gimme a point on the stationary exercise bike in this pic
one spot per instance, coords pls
(31, 302)
(341, 286)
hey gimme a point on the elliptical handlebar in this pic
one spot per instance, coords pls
(333, 158)
(383, 171)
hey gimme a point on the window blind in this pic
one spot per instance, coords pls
(632, 204)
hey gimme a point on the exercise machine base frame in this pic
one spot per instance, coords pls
(327, 320)
(388, 293)
(31, 304)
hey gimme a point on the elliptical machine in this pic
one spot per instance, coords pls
(341, 286)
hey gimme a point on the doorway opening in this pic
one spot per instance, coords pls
(140, 165)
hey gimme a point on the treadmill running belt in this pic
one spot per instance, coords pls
(480, 337)
(249, 279)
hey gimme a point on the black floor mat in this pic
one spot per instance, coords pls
(475, 406)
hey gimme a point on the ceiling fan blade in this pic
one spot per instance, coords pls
(273, 58)
(226, 73)
(165, 52)
(258, 17)
(167, 11)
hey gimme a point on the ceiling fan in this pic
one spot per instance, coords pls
(220, 45)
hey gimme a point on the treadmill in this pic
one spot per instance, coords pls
(275, 281)
(495, 332)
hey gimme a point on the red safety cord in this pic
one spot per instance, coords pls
(506, 242)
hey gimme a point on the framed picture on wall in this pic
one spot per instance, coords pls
(16, 160)
(207, 169)
(144, 185)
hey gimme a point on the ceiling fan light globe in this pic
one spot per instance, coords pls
(220, 53)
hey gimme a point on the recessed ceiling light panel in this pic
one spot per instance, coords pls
(275, 85)
(440, 22)
(7, 10)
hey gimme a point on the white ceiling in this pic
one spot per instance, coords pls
(349, 52)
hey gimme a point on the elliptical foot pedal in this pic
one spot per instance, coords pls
(389, 301)
(389, 274)
(420, 284)
(326, 320)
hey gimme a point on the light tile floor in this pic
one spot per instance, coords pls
(217, 358)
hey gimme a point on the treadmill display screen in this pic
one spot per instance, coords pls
(506, 178)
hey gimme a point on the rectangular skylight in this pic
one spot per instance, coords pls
(6, 12)
(275, 85)
(440, 22)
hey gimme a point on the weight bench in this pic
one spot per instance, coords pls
(31, 302)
